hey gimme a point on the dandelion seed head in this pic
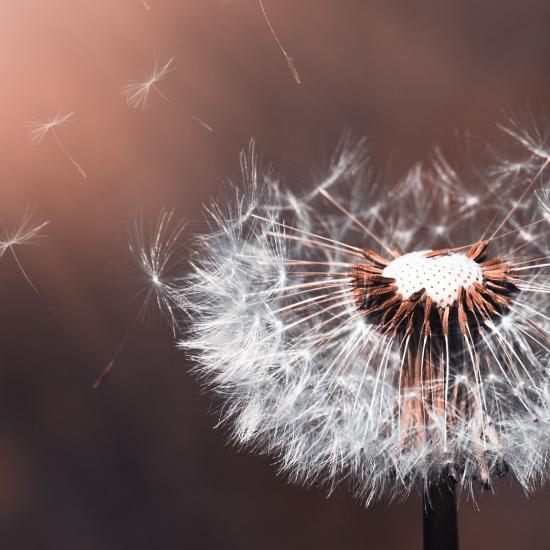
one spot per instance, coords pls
(351, 339)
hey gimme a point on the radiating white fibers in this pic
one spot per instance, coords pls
(311, 372)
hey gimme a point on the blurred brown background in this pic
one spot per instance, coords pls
(138, 465)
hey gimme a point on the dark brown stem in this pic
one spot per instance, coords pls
(440, 524)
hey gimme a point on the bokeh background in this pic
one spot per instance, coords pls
(137, 464)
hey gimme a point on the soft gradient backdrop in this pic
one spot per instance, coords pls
(137, 465)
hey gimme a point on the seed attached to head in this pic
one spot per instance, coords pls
(456, 285)
(440, 299)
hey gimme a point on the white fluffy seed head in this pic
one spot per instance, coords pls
(441, 276)
(274, 328)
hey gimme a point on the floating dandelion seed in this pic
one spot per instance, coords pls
(152, 249)
(392, 337)
(25, 233)
(146, 5)
(288, 57)
(137, 93)
(37, 132)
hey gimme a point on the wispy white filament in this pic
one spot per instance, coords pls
(27, 232)
(37, 131)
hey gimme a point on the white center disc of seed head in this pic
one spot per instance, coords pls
(440, 276)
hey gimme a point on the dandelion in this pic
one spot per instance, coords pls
(37, 132)
(137, 93)
(27, 232)
(392, 336)
(153, 249)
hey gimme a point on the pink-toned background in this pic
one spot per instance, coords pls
(137, 465)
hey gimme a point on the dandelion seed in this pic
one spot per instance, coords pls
(37, 132)
(153, 251)
(403, 349)
(137, 93)
(146, 5)
(288, 57)
(27, 232)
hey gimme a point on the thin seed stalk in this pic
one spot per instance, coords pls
(439, 517)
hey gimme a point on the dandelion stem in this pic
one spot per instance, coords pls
(440, 522)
